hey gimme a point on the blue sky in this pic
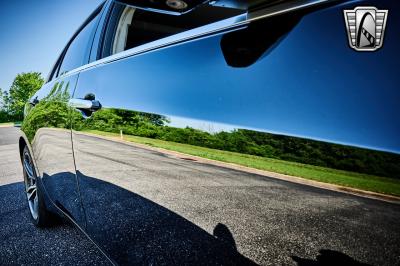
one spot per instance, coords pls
(33, 33)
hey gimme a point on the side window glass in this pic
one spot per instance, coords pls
(129, 27)
(52, 75)
(78, 51)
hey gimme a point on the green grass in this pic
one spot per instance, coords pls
(9, 123)
(339, 177)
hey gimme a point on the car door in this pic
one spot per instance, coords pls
(47, 125)
(47, 128)
(264, 73)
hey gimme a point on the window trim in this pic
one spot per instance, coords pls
(127, 15)
(226, 25)
(112, 23)
(92, 16)
(105, 28)
(54, 73)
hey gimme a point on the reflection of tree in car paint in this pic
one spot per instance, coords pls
(50, 112)
(243, 141)
(53, 112)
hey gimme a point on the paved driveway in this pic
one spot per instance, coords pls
(297, 224)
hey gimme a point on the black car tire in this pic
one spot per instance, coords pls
(41, 217)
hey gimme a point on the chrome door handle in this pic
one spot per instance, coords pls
(86, 107)
(82, 104)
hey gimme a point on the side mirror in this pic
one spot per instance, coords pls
(171, 7)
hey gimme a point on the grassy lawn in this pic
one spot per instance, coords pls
(6, 124)
(345, 178)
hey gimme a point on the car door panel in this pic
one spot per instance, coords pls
(48, 129)
(47, 124)
(149, 206)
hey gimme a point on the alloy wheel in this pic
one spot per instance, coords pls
(30, 184)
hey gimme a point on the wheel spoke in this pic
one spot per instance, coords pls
(31, 188)
(28, 167)
(30, 183)
(31, 192)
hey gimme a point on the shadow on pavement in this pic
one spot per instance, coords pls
(21, 243)
(329, 258)
(137, 231)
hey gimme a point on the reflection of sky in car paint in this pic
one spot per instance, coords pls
(313, 85)
(33, 33)
(370, 112)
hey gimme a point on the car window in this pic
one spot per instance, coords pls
(54, 70)
(129, 27)
(78, 50)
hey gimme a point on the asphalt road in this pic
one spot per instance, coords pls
(21, 243)
(271, 222)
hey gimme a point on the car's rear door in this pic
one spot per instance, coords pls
(290, 72)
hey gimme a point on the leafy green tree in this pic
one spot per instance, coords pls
(4, 106)
(23, 87)
(1, 98)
